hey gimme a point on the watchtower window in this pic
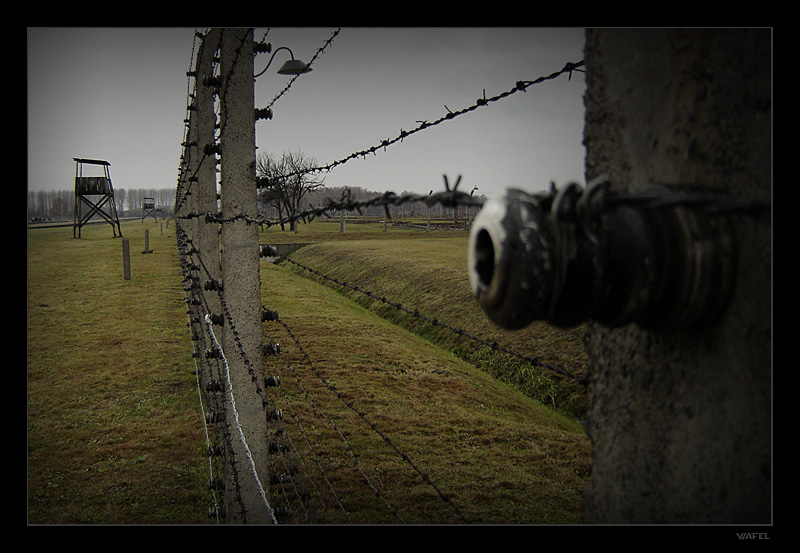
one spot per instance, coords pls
(92, 185)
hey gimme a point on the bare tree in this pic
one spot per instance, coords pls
(284, 182)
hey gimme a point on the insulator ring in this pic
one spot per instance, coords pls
(211, 80)
(213, 285)
(263, 113)
(572, 256)
(271, 349)
(211, 149)
(268, 315)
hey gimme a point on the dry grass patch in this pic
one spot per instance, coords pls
(114, 431)
(497, 455)
(429, 274)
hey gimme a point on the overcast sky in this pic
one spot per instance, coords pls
(120, 94)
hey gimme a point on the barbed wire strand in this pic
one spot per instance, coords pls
(434, 321)
(248, 364)
(218, 411)
(194, 350)
(315, 457)
(318, 53)
(426, 478)
(252, 374)
(238, 425)
(205, 427)
(351, 405)
(520, 86)
(348, 447)
(449, 197)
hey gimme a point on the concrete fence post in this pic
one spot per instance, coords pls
(147, 242)
(241, 288)
(126, 259)
(680, 423)
(207, 242)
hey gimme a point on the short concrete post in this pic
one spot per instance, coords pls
(126, 259)
(147, 242)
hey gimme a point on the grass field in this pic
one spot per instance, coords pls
(426, 271)
(114, 434)
(114, 427)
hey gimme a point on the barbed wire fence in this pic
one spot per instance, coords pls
(204, 211)
(262, 456)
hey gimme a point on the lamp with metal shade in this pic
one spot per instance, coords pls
(291, 67)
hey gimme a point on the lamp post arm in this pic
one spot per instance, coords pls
(273, 57)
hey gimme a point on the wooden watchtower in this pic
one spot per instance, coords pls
(149, 208)
(97, 193)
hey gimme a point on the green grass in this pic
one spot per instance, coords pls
(500, 456)
(428, 272)
(114, 430)
(115, 434)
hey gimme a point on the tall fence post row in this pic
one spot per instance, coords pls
(222, 261)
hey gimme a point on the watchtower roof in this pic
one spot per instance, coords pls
(91, 161)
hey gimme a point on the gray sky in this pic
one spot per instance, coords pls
(120, 94)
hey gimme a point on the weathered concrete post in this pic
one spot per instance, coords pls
(205, 184)
(207, 242)
(126, 259)
(681, 423)
(240, 272)
(147, 242)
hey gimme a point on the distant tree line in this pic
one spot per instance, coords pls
(281, 198)
(58, 204)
